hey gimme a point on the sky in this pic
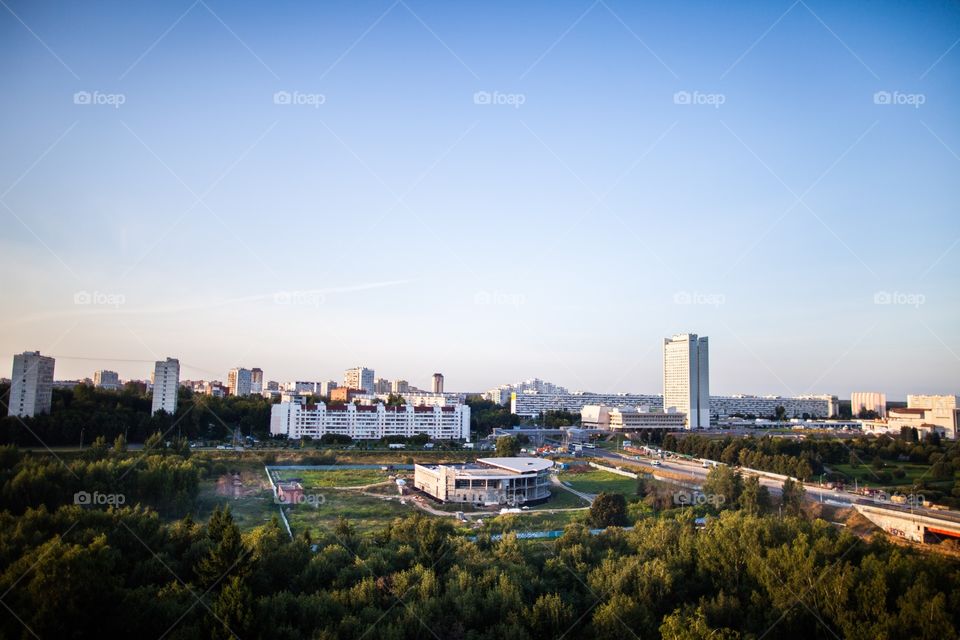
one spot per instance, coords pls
(496, 190)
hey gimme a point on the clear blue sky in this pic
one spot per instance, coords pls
(557, 238)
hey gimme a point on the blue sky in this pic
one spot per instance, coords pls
(492, 190)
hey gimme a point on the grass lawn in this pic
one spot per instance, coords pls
(864, 473)
(315, 479)
(561, 499)
(598, 481)
(365, 513)
(534, 521)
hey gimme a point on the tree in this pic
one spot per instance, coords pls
(780, 413)
(550, 616)
(722, 487)
(233, 611)
(120, 444)
(755, 498)
(792, 498)
(507, 447)
(608, 510)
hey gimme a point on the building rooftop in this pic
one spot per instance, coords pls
(517, 465)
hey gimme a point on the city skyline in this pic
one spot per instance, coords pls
(768, 163)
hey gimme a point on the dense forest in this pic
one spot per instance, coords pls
(72, 571)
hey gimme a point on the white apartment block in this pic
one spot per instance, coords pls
(423, 399)
(166, 384)
(869, 401)
(629, 418)
(105, 379)
(503, 393)
(31, 384)
(297, 420)
(815, 406)
(359, 378)
(240, 381)
(532, 404)
(686, 378)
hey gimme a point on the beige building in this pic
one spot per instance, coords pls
(923, 413)
(869, 401)
(629, 418)
(488, 481)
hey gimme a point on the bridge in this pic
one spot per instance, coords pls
(912, 523)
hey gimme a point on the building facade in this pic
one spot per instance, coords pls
(488, 481)
(240, 381)
(166, 385)
(105, 379)
(815, 406)
(297, 420)
(942, 411)
(532, 404)
(359, 378)
(256, 381)
(629, 418)
(868, 401)
(437, 386)
(686, 378)
(31, 384)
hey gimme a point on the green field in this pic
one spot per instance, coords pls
(533, 521)
(316, 479)
(365, 513)
(561, 499)
(248, 511)
(866, 474)
(597, 481)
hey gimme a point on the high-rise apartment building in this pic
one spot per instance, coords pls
(256, 381)
(438, 383)
(399, 386)
(239, 381)
(686, 378)
(105, 379)
(382, 385)
(868, 401)
(359, 378)
(166, 385)
(31, 384)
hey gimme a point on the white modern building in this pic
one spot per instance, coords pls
(105, 379)
(359, 378)
(814, 406)
(629, 418)
(504, 392)
(686, 378)
(421, 399)
(488, 481)
(240, 381)
(437, 383)
(31, 384)
(868, 401)
(531, 404)
(371, 422)
(166, 384)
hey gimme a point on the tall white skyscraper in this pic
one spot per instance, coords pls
(686, 378)
(31, 384)
(240, 381)
(359, 378)
(166, 384)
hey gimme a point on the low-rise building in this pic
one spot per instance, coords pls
(488, 481)
(629, 418)
(926, 414)
(345, 394)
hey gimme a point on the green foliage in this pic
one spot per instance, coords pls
(609, 510)
(507, 447)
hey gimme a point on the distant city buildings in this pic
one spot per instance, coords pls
(868, 401)
(105, 379)
(256, 381)
(814, 406)
(359, 378)
(326, 388)
(240, 381)
(166, 384)
(298, 420)
(531, 404)
(382, 385)
(437, 383)
(31, 385)
(629, 418)
(399, 386)
(686, 378)
(424, 398)
(927, 414)
(504, 392)
(346, 394)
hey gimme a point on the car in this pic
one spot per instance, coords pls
(656, 463)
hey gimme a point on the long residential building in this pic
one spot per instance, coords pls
(629, 418)
(31, 385)
(530, 405)
(297, 420)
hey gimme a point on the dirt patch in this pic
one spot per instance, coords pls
(241, 484)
